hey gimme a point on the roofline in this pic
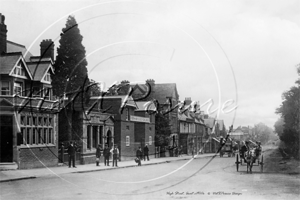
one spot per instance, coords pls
(20, 45)
(23, 60)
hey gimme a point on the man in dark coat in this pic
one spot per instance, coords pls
(139, 155)
(146, 152)
(106, 154)
(71, 152)
(98, 154)
(115, 152)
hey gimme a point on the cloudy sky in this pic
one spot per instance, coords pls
(232, 53)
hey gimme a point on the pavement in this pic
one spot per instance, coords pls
(15, 175)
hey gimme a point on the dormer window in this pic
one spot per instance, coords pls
(48, 77)
(19, 71)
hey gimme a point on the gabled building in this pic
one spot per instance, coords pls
(191, 129)
(167, 96)
(28, 119)
(124, 125)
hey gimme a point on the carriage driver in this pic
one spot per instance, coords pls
(258, 150)
(244, 149)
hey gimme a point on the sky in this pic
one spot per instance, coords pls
(234, 57)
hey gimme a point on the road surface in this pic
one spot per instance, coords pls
(204, 178)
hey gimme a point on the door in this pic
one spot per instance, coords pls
(6, 138)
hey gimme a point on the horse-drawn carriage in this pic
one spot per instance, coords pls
(228, 148)
(250, 156)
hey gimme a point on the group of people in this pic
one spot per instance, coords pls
(107, 152)
(140, 155)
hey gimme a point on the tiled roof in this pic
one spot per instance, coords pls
(38, 70)
(8, 61)
(144, 105)
(163, 90)
(159, 91)
(14, 47)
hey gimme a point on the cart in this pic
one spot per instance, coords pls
(227, 149)
(250, 158)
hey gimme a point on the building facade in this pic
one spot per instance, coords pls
(29, 118)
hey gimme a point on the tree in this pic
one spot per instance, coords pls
(289, 110)
(70, 73)
(162, 130)
(95, 89)
(279, 126)
(262, 132)
(70, 64)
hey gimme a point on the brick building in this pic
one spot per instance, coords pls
(28, 117)
(167, 96)
(144, 128)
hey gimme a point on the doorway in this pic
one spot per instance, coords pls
(6, 138)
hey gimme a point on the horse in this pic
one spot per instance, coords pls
(250, 158)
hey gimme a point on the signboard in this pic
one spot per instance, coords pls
(139, 119)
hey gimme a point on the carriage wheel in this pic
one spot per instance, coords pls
(237, 163)
(262, 164)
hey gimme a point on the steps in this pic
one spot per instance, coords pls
(8, 166)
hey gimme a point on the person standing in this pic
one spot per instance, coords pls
(115, 153)
(139, 155)
(146, 152)
(106, 154)
(98, 154)
(71, 152)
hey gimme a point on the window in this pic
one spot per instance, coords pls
(34, 121)
(127, 114)
(48, 77)
(50, 121)
(40, 136)
(127, 141)
(40, 121)
(19, 70)
(5, 88)
(23, 120)
(47, 93)
(45, 121)
(45, 136)
(28, 136)
(88, 137)
(34, 136)
(150, 140)
(127, 127)
(95, 133)
(18, 88)
(50, 135)
(150, 128)
(28, 120)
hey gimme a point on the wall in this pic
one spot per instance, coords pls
(36, 157)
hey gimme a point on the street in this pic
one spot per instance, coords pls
(203, 178)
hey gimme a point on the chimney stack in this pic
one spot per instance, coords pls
(188, 101)
(3, 34)
(151, 82)
(47, 49)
